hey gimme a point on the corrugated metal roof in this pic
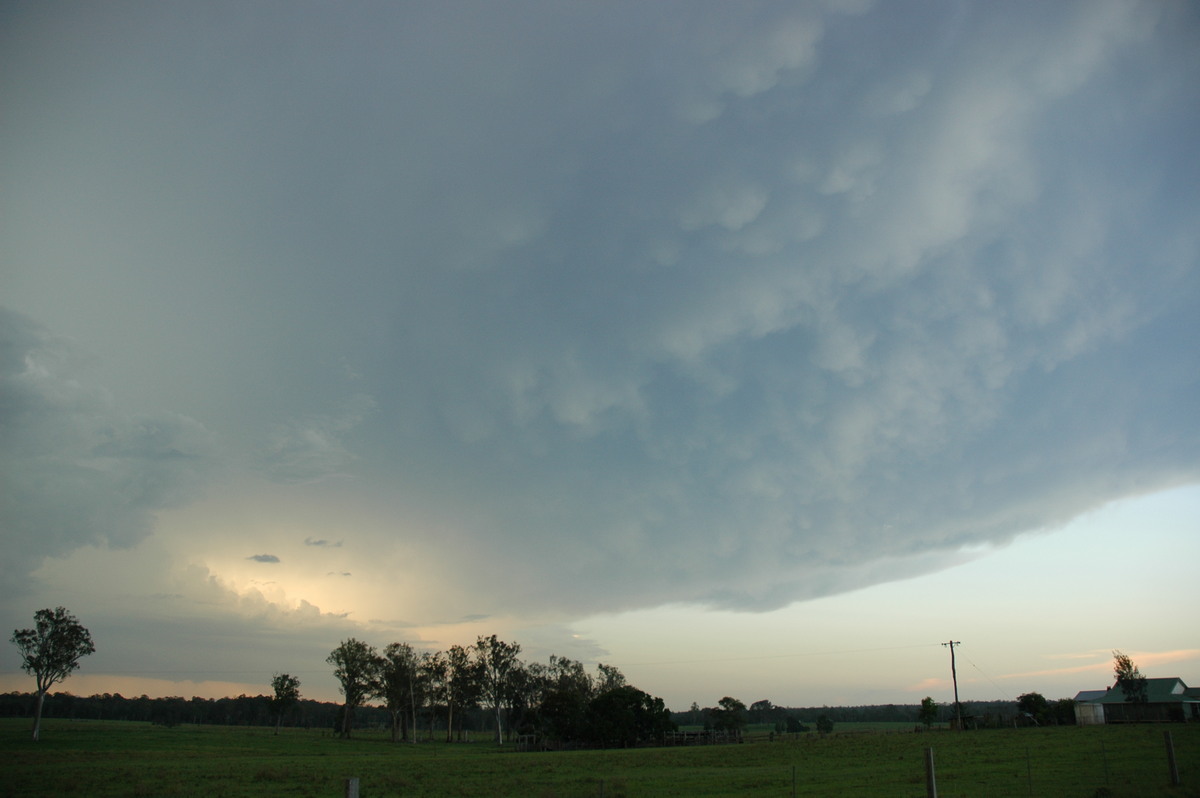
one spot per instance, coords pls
(1085, 696)
(1158, 691)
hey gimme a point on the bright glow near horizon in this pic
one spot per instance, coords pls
(754, 349)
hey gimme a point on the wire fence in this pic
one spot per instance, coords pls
(1049, 763)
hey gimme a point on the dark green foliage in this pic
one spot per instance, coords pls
(1034, 706)
(356, 665)
(565, 715)
(399, 684)
(1063, 712)
(51, 651)
(497, 664)
(824, 724)
(287, 695)
(928, 712)
(1129, 678)
(625, 717)
(729, 715)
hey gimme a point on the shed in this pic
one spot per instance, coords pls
(1087, 711)
(1167, 700)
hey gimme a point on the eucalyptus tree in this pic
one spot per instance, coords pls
(497, 663)
(609, 678)
(287, 695)
(397, 687)
(356, 665)
(458, 686)
(570, 675)
(432, 684)
(1129, 678)
(568, 688)
(51, 651)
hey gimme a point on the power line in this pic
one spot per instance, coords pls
(989, 678)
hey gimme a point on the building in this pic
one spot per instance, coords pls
(1168, 700)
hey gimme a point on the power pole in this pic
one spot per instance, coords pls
(954, 676)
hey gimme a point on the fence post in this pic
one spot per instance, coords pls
(1171, 759)
(352, 787)
(930, 778)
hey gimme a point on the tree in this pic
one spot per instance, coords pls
(928, 712)
(1129, 678)
(397, 686)
(51, 651)
(1063, 712)
(459, 686)
(356, 666)
(824, 724)
(794, 726)
(625, 716)
(434, 677)
(566, 689)
(1034, 705)
(761, 711)
(728, 715)
(609, 678)
(496, 661)
(287, 695)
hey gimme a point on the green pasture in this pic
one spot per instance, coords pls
(98, 758)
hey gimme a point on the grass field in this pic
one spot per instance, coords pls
(96, 758)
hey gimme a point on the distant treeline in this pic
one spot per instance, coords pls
(255, 710)
(243, 710)
(976, 713)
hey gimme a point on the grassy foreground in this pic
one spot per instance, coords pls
(97, 758)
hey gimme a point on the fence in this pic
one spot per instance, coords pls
(1099, 761)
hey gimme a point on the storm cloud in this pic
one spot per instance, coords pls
(727, 304)
(74, 469)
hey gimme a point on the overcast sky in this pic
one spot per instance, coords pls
(754, 348)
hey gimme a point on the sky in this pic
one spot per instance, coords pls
(757, 349)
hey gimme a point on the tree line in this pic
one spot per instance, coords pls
(242, 710)
(732, 715)
(554, 704)
(557, 703)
